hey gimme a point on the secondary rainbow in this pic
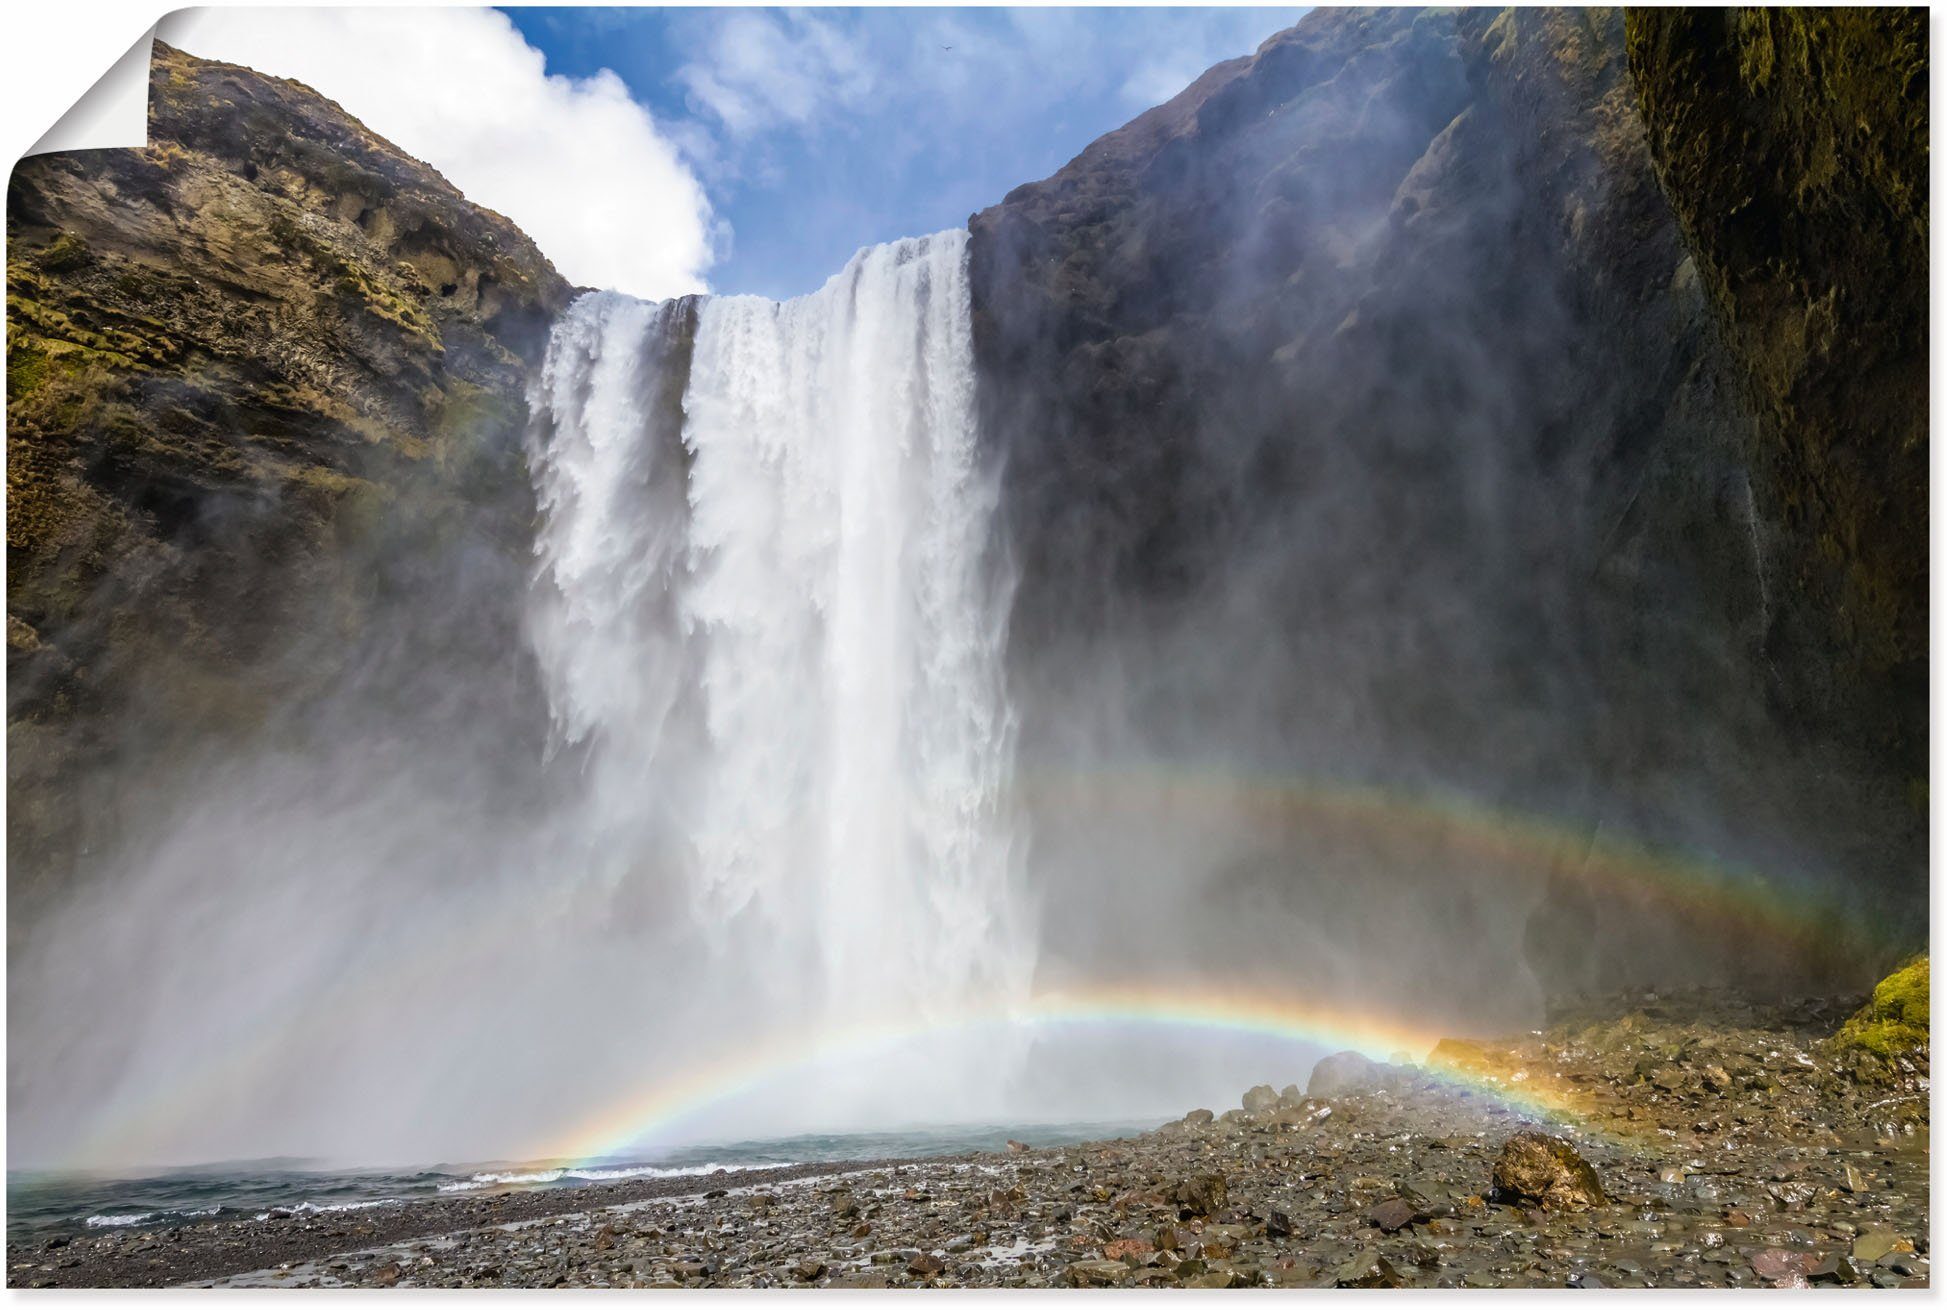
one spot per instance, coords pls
(1787, 911)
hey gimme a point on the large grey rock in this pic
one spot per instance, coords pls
(1260, 1099)
(1346, 1072)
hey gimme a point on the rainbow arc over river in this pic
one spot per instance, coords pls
(1518, 845)
(655, 1111)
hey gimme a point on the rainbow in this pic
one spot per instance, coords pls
(1517, 845)
(651, 1113)
(1783, 910)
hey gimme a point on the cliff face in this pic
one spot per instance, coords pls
(1379, 362)
(1793, 146)
(1417, 403)
(265, 379)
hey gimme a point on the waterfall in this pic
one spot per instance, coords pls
(770, 619)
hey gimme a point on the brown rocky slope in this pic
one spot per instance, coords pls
(264, 376)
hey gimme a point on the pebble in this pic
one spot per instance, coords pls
(1395, 1187)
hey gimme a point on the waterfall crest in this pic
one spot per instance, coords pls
(770, 615)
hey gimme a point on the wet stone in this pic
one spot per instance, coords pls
(1367, 1269)
(1536, 1168)
(1260, 1100)
(1260, 1203)
(1097, 1273)
(1395, 1213)
(1874, 1243)
(1202, 1195)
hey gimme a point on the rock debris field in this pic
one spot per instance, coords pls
(1687, 1142)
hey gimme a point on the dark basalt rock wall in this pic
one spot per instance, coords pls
(265, 390)
(1379, 364)
(1792, 144)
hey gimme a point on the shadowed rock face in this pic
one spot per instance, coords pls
(265, 385)
(1378, 364)
(1793, 146)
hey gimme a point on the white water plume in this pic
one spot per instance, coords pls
(771, 614)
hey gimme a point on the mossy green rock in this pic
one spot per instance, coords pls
(1894, 1024)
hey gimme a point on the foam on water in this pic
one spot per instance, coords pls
(518, 1178)
(120, 1220)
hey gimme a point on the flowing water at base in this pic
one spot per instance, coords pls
(46, 1205)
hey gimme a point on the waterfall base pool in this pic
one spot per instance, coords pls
(48, 1205)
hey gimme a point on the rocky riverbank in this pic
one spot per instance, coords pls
(1687, 1141)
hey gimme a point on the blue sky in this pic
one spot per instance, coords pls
(814, 132)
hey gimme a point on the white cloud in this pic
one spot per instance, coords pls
(765, 69)
(576, 163)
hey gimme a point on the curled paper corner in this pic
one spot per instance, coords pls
(111, 114)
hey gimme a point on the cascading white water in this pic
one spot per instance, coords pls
(774, 621)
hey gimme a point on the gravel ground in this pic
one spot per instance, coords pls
(200, 1252)
(1728, 1149)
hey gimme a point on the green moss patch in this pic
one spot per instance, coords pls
(1894, 1022)
(65, 254)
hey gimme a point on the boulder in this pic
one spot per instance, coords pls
(1347, 1072)
(1201, 1196)
(1260, 1099)
(1891, 1026)
(1537, 1169)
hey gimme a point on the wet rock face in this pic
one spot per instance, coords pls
(1179, 252)
(266, 376)
(1536, 1169)
(1379, 361)
(1793, 147)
